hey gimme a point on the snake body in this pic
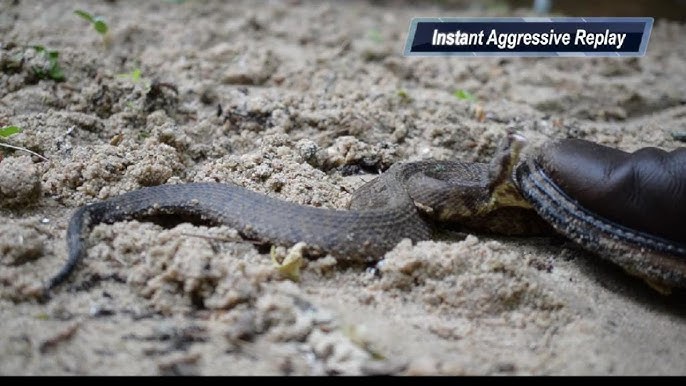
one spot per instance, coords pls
(631, 227)
(382, 212)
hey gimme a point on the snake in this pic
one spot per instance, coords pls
(512, 194)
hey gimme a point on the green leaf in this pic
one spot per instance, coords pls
(9, 130)
(85, 15)
(98, 22)
(43, 316)
(56, 73)
(100, 26)
(375, 36)
(463, 95)
(134, 75)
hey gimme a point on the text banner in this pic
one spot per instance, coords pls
(561, 36)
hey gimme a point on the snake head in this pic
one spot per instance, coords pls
(503, 191)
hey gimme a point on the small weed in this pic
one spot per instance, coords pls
(9, 130)
(97, 22)
(142, 134)
(42, 316)
(375, 36)
(463, 95)
(404, 97)
(55, 71)
(134, 75)
(498, 7)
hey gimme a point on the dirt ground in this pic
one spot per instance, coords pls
(305, 101)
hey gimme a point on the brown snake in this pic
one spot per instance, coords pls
(615, 204)
(401, 203)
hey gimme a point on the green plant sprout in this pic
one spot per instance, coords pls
(375, 36)
(97, 22)
(134, 75)
(7, 131)
(55, 71)
(463, 95)
(404, 96)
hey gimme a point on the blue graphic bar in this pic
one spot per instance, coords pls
(529, 36)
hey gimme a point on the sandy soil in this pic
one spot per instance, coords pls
(305, 102)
